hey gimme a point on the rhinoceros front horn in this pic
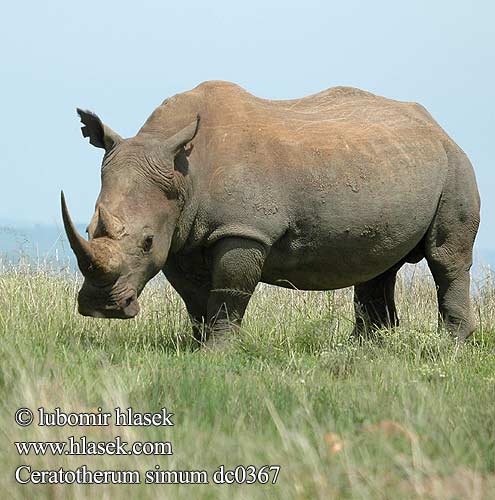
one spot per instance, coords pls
(80, 246)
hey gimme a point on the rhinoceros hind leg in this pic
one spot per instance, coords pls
(374, 304)
(449, 246)
(454, 304)
(449, 264)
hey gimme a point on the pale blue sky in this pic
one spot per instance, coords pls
(121, 59)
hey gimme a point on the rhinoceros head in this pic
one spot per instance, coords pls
(136, 212)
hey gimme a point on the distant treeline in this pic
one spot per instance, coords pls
(36, 243)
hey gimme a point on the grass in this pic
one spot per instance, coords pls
(412, 416)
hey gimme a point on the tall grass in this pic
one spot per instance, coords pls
(411, 416)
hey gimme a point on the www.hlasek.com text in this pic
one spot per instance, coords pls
(84, 446)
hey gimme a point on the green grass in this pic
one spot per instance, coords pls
(411, 416)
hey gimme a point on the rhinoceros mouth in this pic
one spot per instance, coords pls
(125, 308)
(109, 313)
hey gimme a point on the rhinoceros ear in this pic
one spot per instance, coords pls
(181, 138)
(99, 134)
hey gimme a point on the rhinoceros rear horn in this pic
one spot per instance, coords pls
(100, 135)
(108, 224)
(80, 246)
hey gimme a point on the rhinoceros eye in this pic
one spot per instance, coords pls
(147, 243)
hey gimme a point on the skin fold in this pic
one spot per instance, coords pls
(222, 190)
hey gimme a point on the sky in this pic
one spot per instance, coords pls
(122, 59)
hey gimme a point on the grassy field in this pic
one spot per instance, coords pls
(411, 416)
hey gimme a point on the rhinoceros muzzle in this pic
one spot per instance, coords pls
(94, 303)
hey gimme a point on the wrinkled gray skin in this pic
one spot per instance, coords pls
(222, 190)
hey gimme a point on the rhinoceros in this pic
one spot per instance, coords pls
(222, 190)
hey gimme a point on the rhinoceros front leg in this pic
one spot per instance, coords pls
(374, 304)
(195, 295)
(236, 270)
